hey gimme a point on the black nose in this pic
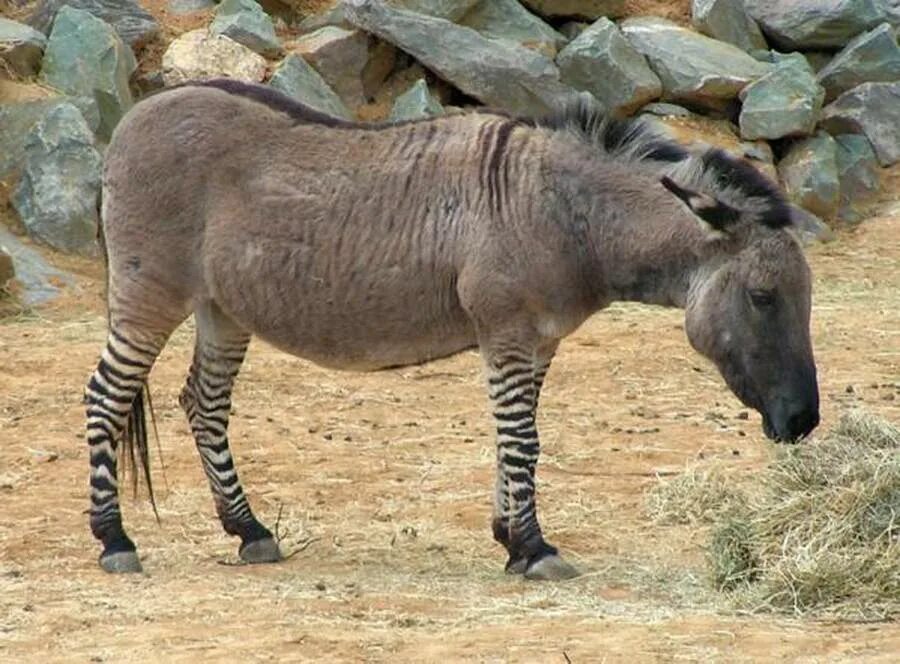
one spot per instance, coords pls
(786, 424)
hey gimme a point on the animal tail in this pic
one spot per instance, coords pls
(134, 439)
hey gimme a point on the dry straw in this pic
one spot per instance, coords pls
(816, 532)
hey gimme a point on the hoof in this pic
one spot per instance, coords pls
(260, 551)
(550, 568)
(517, 566)
(121, 562)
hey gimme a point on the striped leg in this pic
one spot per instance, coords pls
(206, 400)
(110, 395)
(513, 392)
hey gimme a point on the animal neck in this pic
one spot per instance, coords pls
(654, 258)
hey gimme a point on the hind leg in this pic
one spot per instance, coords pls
(206, 400)
(111, 394)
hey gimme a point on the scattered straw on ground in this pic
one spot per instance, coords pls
(818, 532)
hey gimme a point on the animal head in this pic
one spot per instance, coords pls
(748, 308)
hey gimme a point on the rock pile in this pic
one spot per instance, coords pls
(820, 111)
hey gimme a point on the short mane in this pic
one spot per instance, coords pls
(711, 171)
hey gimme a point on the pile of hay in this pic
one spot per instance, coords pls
(817, 531)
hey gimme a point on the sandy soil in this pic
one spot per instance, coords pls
(383, 484)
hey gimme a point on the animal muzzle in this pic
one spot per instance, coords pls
(788, 421)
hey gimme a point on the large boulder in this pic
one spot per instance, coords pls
(416, 103)
(809, 173)
(585, 9)
(58, 194)
(601, 61)
(872, 109)
(86, 58)
(452, 10)
(21, 47)
(495, 72)
(692, 67)
(296, 78)
(350, 61)
(507, 19)
(858, 173)
(810, 24)
(200, 55)
(870, 57)
(245, 22)
(16, 121)
(135, 25)
(728, 21)
(784, 102)
(37, 281)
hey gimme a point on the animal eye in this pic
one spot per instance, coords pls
(762, 298)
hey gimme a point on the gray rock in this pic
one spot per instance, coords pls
(784, 102)
(135, 25)
(16, 120)
(296, 78)
(245, 22)
(571, 29)
(728, 21)
(872, 109)
(39, 282)
(507, 19)
(57, 196)
(601, 61)
(179, 7)
(890, 9)
(415, 103)
(350, 61)
(757, 151)
(21, 47)
(778, 58)
(808, 227)
(809, 174)
(870, 57)
(199, 55)
(452, 10)
(692, 67)
(665, 110)
(85, 57)
(497, 73)
(810, 24)
(858, 174)
(586, 9)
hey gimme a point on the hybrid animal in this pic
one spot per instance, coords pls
(367, 246)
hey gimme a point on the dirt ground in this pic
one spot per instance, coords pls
(381, 486)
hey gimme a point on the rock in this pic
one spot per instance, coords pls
(810, 175)
(665, 110)
(135, 25)
(496, 73)
(692, 67)
(585, 9)
(179, 7)
(507, 19)
(38, 281)
(777, 58)
(85, 57)
(351, 62)
(571, 29)
(810, 24)
(58, 194)
(601, 61)
(245, 22)
(872, 109)
(452, 10)
(858, 174)
(728, 21)
(870, 57)
(199, 55)
(808, 227)
(296, 78)
(21, 47)
(784, 102)
(16, 120)
(415, 103)
(890, 9)
(7, 269)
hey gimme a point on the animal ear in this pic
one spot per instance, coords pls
(716, 216)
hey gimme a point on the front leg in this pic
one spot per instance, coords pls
(513, 392)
